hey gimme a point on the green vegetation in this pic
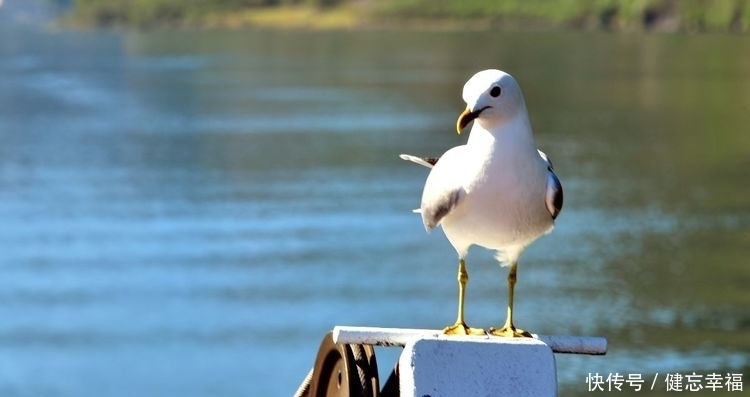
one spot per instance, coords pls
(661, 15)
(205, 13)
(666, 15)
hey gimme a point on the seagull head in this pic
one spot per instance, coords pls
(492, 97)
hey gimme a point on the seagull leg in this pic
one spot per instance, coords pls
(460, 327)
(510, 330)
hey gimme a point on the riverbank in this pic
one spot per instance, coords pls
(647, 15)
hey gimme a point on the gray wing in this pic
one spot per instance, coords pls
(554, 197)
(436, 208)
(428, 162)
(443, 190)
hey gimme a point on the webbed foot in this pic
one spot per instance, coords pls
(460, 328)
(510, 332)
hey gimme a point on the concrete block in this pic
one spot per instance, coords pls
(594, 345)
(477, 367)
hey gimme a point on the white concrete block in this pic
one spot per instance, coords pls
(593, 345)
(473, 367)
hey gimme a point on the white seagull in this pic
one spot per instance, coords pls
(497, 191)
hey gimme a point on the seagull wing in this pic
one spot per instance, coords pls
(546, 159)
(428, 162)
(443, 190)
(554, 197)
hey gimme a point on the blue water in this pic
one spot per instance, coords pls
(188, 213)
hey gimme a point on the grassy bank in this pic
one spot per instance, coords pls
(659, 15)
(663, 15)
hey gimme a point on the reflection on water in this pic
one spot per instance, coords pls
(188, 213)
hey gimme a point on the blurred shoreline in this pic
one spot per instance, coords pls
(652, 15)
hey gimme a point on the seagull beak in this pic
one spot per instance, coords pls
(466, 117)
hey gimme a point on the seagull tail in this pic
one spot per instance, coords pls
(423, 161)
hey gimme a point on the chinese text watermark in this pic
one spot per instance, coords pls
(672, 382)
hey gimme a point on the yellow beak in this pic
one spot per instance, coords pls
(466, 117)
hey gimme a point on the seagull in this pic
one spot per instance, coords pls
(497, 191)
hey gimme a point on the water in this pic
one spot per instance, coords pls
(188, 213)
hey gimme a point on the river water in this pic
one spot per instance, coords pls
(188, 213)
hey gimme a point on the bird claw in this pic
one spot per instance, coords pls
(460, 328)
(510, 332)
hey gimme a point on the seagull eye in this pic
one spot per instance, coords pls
(495, 92)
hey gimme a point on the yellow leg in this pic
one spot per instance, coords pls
(510, 330)
(460, 327)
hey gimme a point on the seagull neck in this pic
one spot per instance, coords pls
(514, 134)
